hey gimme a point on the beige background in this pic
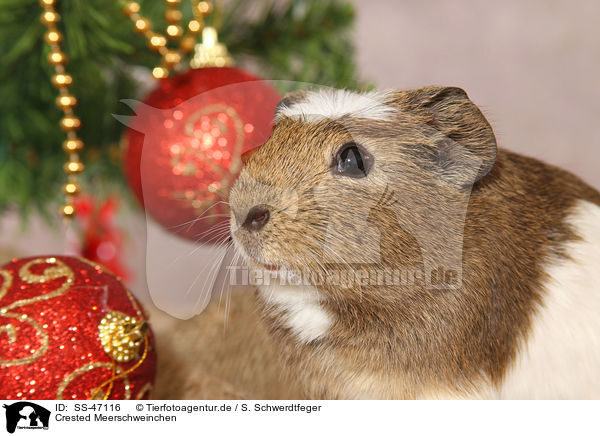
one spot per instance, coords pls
(533, 66)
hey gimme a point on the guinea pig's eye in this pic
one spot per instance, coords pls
(352, 160)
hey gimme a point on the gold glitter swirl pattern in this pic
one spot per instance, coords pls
(141, 312)
(96, 266)
(147, 388)
(118, 374)
(99, 394)
(57, 270)
(6, 282)
(11, 331)
(122, 336)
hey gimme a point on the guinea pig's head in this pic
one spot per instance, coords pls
(347, 179)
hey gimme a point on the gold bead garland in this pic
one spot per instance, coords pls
(65, 102)
(173, 17)
(174, 31)
(158, 42)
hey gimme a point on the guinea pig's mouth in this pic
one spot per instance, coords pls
(259, 263)
(265, 265)
(254, 260)
(271, 267)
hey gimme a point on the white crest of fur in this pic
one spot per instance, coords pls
(335, 103)
(300, 307)
(561, 356)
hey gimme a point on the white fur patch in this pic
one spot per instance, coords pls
(561, 357)
(335, 103)
(300, 307)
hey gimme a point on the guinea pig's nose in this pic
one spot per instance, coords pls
(256, 219)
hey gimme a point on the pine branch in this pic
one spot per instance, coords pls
(295, 40)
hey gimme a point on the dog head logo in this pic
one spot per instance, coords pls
(25, 414)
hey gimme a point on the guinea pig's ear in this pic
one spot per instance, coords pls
(463, 127)
(289, 100)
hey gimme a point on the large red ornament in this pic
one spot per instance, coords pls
(185, 142)
(70, 330)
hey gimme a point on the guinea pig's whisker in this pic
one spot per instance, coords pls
(223, 289)
(219, 227)
(228, 295)
(220, 233)
(219, 237)
(202, 218)
(269, 298)
(213, 229)
(233, 262)
(209, 277)
(321, 266)
(339, 257)
(196, 220)
(216, 265)
(192, 221)
(215, 204)
(285, 209)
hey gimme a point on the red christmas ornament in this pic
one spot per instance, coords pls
(101, 237)
(70, 330)
(185, 142)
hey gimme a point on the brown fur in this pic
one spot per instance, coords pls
(219, 354)
(409, 341)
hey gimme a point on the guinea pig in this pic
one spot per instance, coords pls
(468, 271)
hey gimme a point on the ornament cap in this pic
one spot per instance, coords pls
(210, 52)
(121, 335)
